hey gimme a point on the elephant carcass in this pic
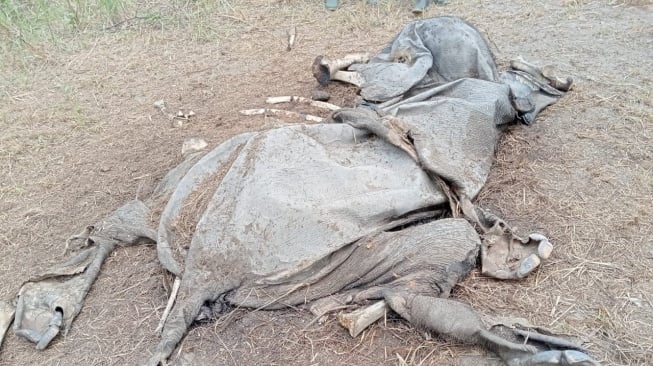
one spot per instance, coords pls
(359, 208)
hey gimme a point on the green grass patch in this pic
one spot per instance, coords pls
(33, 28)
(41, 20)
(29, 29)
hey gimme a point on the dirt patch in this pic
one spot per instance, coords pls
(80, 136)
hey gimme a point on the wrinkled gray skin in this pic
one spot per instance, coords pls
(430, 52)
(358, 208)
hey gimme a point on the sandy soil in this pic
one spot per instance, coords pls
(80, 135)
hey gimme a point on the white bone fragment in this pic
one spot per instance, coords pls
(280, 113)
(296, 99)
(357, 321)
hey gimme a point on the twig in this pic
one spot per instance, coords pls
(171, 301)
(228, 350)
(561, 315)
(292, 35)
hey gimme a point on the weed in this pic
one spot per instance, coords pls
(37, 23)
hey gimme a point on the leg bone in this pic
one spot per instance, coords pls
(360, 319)
(451, 319)
(324, 69)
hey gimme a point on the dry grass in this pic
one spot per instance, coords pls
(80, 136)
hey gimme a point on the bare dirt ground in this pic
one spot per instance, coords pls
(80, 135)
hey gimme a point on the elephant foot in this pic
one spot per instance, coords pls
(559, 358)
(517, 346)
(533, 88)
(48, 303)
(504, 255)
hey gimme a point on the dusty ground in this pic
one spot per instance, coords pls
(80, 136)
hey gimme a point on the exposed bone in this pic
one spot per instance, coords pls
(183, 116)
(280, 113)
(545, 247)
(314, 103)
(360, 319)
(6, 318)
(555, 81)
(171, 302)
(350, 77)
(320, 317)
(544, 76)
(324, 68)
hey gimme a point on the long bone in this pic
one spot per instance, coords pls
(326, 69)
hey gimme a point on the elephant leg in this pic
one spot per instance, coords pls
(451, 319)
(183, 314)
(196, 291)
(49, 302)
(459, 321)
